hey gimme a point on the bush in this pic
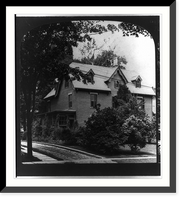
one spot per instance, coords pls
(68, 136)
(137, 131)
(56, 133)
(103, 132)
(80, 136)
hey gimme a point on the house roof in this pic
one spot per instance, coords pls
(102, 74)
(143, 90)
(98, 84)
(54, 92)
(130, 75)
(51, 93)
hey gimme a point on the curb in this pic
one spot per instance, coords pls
(70, 148)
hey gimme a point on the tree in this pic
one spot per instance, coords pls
(105, 58)
(126, 104)
(45, 53)
(123, 96)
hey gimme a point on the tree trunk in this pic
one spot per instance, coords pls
(24, 122)
(29, 135)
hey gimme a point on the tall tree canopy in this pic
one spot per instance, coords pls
(45, 53)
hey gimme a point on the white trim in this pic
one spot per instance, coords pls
(94, 93)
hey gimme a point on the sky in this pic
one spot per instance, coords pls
(138, 51)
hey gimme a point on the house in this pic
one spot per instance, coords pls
(75, 101)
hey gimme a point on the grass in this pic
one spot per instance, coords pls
(124, 151)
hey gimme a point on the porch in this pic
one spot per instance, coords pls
(63, 119)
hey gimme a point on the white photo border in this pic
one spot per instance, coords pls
(11, 179)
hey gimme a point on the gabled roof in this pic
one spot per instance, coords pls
(103, 72)
(101, 76)
(50, 94)
(136, 78)
(130, 75)
(54, 92)
(98, 84)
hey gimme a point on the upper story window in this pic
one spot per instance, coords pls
(93, 100)
(137, 82)
(91, 76)
(70, 100)
(141, 102)
(117, 83)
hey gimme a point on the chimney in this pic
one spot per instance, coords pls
(115, 61)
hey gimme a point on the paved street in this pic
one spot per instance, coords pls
(48, 153)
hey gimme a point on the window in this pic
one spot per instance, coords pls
(90, 78)
(70, 100)
(93, 100)
(63, 120)
(116, 84)
(66, 83)
(138, 83)
(71, 120)
(141, 102)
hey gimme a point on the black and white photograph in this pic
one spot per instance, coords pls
(89, 102)
(88, 90)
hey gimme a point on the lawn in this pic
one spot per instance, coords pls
(124, 151)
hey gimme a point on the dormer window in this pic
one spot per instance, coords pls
(116, 84)
(91, 76)
(137, 82)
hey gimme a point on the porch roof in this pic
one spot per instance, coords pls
(66, 111)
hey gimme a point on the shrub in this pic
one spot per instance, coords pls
(80, 136)
(56, 133)
(68, 136)
(36, 128)
(103, 132)
(137, 131)
(152, 135)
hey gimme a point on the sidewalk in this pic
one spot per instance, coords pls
(40, 156)
(45, 159)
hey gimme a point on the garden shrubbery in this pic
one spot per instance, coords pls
(137, 131)
(106, 129)
(103, 132)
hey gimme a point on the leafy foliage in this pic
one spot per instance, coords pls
(103, 132)
(123, 96)
(129, 29)
(136, 130)
(45, 53)
(105, 58)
